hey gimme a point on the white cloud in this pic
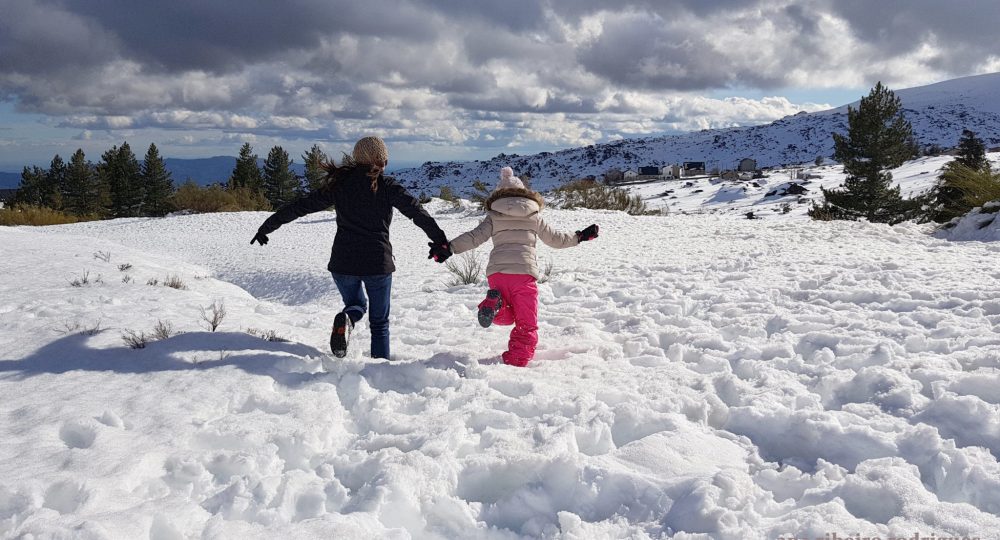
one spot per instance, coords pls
(443, 72)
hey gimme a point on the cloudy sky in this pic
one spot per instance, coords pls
(451, 79)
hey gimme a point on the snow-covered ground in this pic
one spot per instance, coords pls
(698, 377)
(768, 197)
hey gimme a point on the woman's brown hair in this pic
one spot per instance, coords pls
(370, 151)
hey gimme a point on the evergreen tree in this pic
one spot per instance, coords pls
(878, 139)
(157, 183)
(972, 152)
(85, 193)
(280, 183)
(247, 172)
(315, 173)
(119, 171)
(55, 183)
(31, 189)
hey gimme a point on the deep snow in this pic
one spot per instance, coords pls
(698, 377)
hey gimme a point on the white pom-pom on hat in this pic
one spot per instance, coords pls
(508, 180)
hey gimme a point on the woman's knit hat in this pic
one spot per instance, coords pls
(508, 180)
(371, 151)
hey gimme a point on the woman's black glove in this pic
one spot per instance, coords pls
(260, 238)
(439, 252)
(587, 234)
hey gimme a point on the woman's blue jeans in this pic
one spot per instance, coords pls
(356, 304)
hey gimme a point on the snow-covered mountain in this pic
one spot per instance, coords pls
(938, 112)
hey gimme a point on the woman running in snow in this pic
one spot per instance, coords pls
(361, 255)
(514, 224)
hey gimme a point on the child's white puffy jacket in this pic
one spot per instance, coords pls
(514, 223)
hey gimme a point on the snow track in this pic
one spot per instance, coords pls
(698, 377)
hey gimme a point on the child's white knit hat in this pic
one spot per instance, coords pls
(508, 180)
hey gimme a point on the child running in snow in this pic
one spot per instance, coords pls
(514, 223)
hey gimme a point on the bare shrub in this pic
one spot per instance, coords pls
(78, 328)
(162, 330)
(174, 282)
(125, 267)
(152, 282)
(214, 314)
(84, 279)
(546, 271)
(269, 335)
(127, 279)
(103, 256)
(467, 269)
(134, 340)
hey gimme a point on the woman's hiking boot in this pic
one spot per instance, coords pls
(341, 334)
(489, 308)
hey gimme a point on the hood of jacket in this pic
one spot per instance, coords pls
(514, 202)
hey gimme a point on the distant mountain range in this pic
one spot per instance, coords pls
(938, 113)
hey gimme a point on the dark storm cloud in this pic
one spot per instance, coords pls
(457, 70)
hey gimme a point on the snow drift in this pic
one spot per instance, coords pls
(697, 377)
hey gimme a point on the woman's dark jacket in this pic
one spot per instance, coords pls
(361, 246)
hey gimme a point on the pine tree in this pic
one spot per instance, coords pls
(972, 152)
(31, 189)
(315, 173)
(119, 170)
(55, 183)
(85, 194)
(280, 183)
(157, 182)
(878, 139)
(247, 172)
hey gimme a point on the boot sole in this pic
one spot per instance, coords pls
(486, 315)
(339, 336)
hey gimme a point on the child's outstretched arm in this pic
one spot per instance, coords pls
(560, 240)
(474, 238)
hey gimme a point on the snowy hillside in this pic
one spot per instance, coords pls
(697, 377)
(779, 195)
(938, 112)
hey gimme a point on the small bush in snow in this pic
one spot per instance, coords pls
(214, 314)
(590, 194)
(84, 279)
(103, 256)
(962, 188)
(77, 328)
(152, 282)
(447, 194)
(174, 282)
(546, 273)
(467, 269)
(127, 279)
(134, 340)
(124, 267)
(269, 335)
(162, 330)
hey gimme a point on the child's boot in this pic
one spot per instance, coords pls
(341, 334)
(489, 308)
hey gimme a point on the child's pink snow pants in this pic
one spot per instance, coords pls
(520, 308)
